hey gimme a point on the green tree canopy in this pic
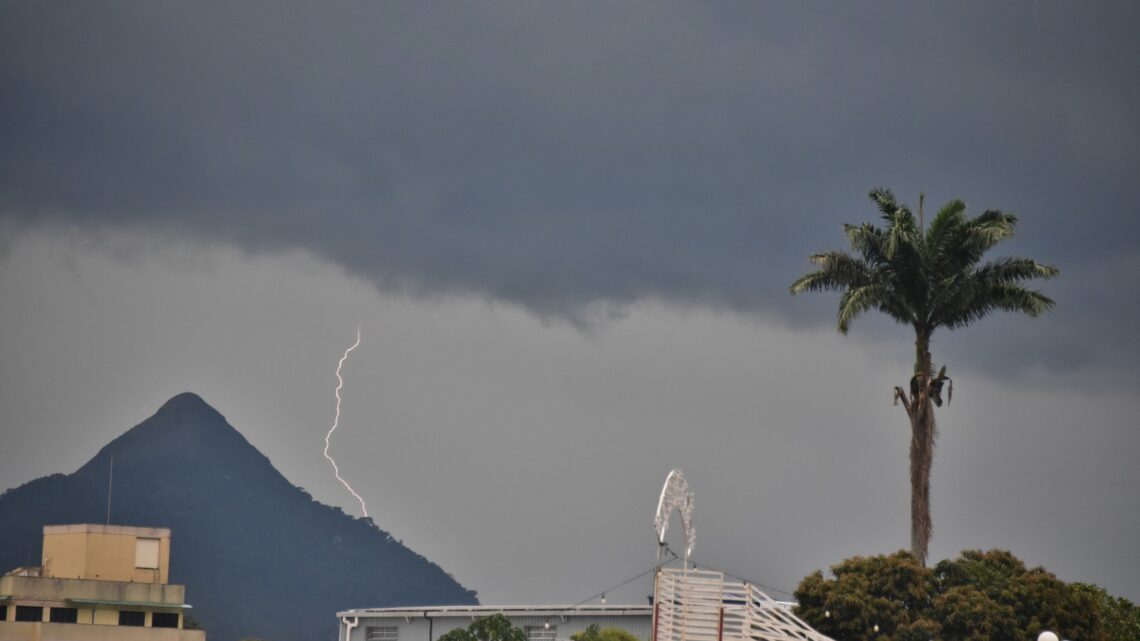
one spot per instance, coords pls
(594, 633)
(1121, 617)
(980, 596)
(496, 627)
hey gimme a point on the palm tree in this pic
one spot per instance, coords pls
(928, 278)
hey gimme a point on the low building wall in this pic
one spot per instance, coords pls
(49, 589)
(24, 631)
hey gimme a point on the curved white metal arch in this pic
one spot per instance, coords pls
(676, 495)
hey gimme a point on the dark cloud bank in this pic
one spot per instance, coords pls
(557, 155)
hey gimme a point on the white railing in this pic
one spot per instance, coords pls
(700, 605)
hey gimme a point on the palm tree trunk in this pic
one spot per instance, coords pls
(923, 433)
(921, 456)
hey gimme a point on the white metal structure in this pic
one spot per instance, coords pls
(675, 495)
(700, 605)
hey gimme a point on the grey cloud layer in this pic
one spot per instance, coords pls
(556, 155)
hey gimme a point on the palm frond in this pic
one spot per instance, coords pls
(951, 216)
(869, 241)
(899, 310)
(899, 218)
(857, 300)
(987, 230)
(960, 246)
(972, 295)
(1007, 270)
(1014, 298)
(884, 199)
(837, 270)
(902, 269)
(998, 297)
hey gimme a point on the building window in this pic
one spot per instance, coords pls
(164, 620)
(4, 612)
(132, 618)
(380, 633)
(29, 613)
(541, 632)
(146, 553)
(64, 615)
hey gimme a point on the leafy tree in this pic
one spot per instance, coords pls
(1121, 617)
(980, 596)
(892, 592)
(927, 278)
(967, 613)
(496, 627)
(593, 633)
(1035, 598)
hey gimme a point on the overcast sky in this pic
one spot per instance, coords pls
(567, 231)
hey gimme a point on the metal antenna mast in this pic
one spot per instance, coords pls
(675, 495)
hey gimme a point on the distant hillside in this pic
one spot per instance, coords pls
(259, 556)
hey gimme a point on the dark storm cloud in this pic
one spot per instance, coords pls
(557, 155)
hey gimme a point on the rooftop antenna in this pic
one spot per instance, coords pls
(675, 495)
(110, 478)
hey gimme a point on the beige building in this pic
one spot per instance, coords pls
(96, 583)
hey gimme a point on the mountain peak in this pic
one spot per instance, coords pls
(186, 430)
(248, 544)
(184, 403)
(184, 416)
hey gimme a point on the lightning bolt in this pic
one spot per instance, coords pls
(336, 421)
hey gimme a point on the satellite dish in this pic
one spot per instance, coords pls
(675, 495)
